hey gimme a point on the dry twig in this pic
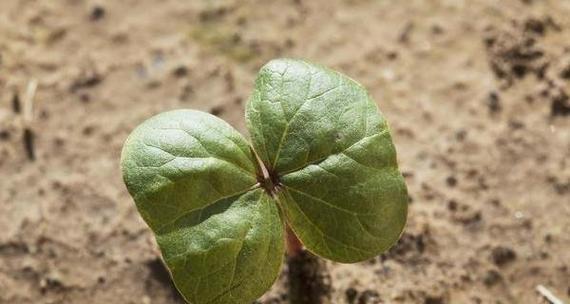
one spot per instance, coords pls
(548, 295)
(28, 118)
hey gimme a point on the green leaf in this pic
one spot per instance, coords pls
(228, 252)
(184, 160)
(300, 113)
(191, 176)
(322, 134)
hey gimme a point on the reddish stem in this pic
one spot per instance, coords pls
(309, 282)
(294, 246)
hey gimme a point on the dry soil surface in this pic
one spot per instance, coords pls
(477, 94)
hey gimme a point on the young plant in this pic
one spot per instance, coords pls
(321, 160)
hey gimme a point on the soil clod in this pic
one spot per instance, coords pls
(491, 278)
(351, 294)
(369, 297)
(86, 81)
(16, 104)
(494, 102)
(180, 71)
(451, 181)
(29, 138)
(4, 135)
(97, 13)
(502, 255)
(217, 110)
(434, 300)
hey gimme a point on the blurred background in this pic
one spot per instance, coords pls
(477, 94)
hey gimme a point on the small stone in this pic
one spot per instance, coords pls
(494, 102)
(516, 124)
(97, 13)
(491, 278)
(461, 135)
(548, 238)
(560, 105)
(437, 29)
(452, 205)
(351, 294)
(392, 55)
(4, 135)
(451, 181)
(88, 130)
(536, 26)
(217, 110)
(369, 297)
(502, 255)
(180, 71)
(565, 73)
(434, 300)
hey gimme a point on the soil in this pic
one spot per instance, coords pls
(477, 94)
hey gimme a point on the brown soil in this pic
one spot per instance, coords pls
(477, 93)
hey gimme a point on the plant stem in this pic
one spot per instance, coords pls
(309, 281)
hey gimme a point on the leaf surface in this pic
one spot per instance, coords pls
(229, 252)
(323, 135)
(183, 160)
(192, 177)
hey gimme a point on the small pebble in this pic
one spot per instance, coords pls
(97, 13)
(180, 71)
(434, 300)
(502, 255)
(369, 297)
(451, 181)
(4, 135)
(494, 102)
(351, 294)
(491, 278)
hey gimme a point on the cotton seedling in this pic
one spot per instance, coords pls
(320, 160)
